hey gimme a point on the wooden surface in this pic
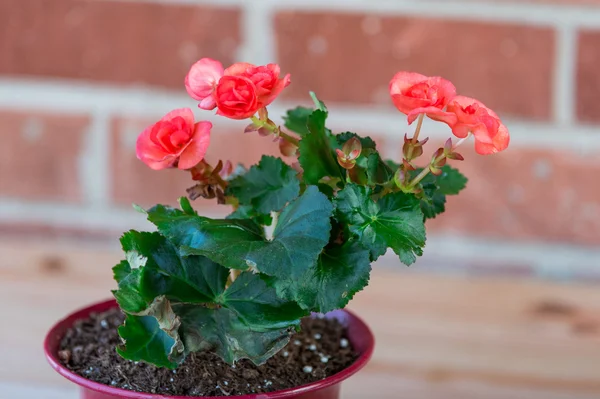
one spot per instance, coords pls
(437, 337)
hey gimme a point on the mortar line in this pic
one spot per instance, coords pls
(564, 95)
(139, 102)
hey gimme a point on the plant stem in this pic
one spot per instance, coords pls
(288, 138)
(276, 130)
(419, 177)
(415, 138)
(459, 142)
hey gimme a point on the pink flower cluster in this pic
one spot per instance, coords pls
(237, 92)
(415, 94)
(243, 90)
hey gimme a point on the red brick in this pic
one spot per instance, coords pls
(535, 194)
(351, 58)
(113, 41)
(39, 155)
(36, 231)
(588, 77)
(135, 182)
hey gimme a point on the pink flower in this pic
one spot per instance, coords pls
(468, 115)
(175, 140)
(236, 97)
(201, 81)
(265, 78)
(238, 91)
(414, 94)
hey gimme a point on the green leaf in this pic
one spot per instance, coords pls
(158, 269)
(257, 304)
(186, 206)
(341, 271)
(394, 221)
(317, 157)
(301, 233)
(366, 142)
(129, 296)
(296, 120)
(267, 186)
(153, 336)
(251, 322)
(378, 172)
(451, 181)
(121, 271)
(162, 290)
(248, 212)
(433, 202)
(435, 189)
(221, 331)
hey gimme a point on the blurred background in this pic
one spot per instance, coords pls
(80, 79)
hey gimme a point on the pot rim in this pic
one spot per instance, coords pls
(55, 334)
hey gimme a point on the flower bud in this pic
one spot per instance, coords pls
(438, 160)
(344, 161)
(407, 166)
(400, 178)
(417, 148)
(352, 148)
(449, 151)
(349, 153)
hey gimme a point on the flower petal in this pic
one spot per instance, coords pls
(277, 89)
(239, 68)
(186, 113)
(146, 150)
(414, 113)
(407, 104)
(208, 103)
(448, 118)
(202, 78)
(403, 80)
(499, 143)
(195, 151)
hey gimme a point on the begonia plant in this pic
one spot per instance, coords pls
(332, 206)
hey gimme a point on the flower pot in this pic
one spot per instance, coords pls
(329, 388)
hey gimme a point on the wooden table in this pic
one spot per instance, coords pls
(437, 337)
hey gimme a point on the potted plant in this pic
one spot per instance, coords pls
(214, 307)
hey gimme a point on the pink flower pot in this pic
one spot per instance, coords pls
(329, 388)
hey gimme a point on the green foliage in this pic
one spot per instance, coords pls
(296, 120)
(435, 189)
(378, 172)
(171, 291)
(248, 212)
(299, 237)
(340, 272)
(451, 181)
(317, 157)
(267, 186)
(226, 286)
(394, 221)
(146, 340)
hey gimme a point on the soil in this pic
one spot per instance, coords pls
(319, 350)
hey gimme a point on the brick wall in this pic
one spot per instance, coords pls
(80, 79)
